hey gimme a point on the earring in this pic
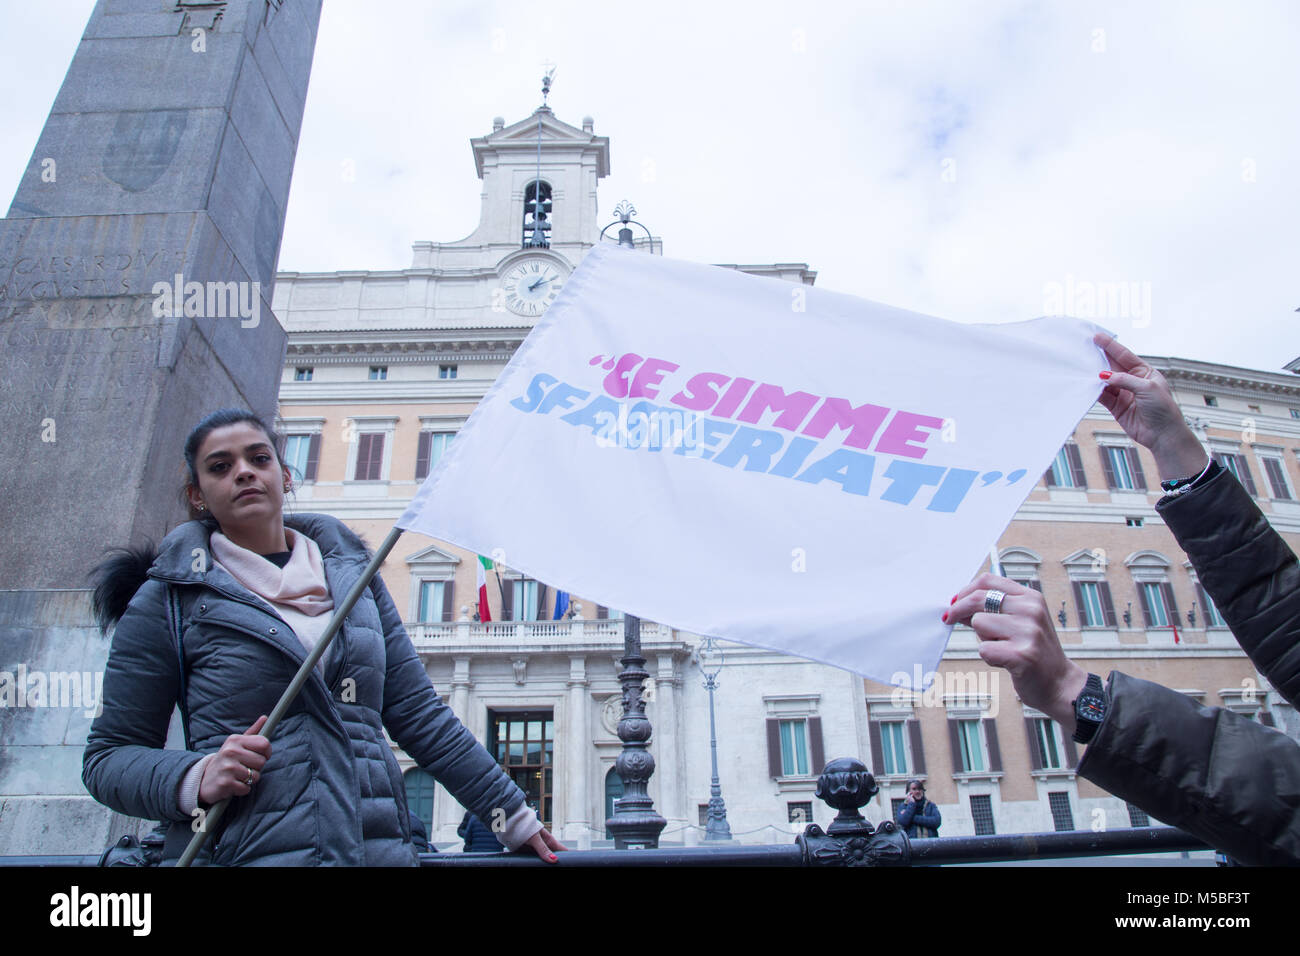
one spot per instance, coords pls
(288, 488)
(202, 506)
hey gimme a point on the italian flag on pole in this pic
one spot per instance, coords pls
(483, 566)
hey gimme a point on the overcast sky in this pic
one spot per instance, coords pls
(957, 159)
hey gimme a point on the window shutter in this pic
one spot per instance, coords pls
(1048, 480)
(991, 736)
(1036, 584)
(1135, 466)
(816, 744)
(877, 752)
(422, 456)
(508, 601)
(1035, 751)
(1106, 469)
(602, 612)
(1168, 590)
(541, 603)
(954, 740)
(1266, 718)
(1146, 606)
(773, 747)
(448, 600)
(1076, 466)
(1078, 603)
(918, 751)
(1276, 478)
(376, 457)
(1071, 751)
(313, 457)
(363, 457)
(1243, 469)
(1107, 605)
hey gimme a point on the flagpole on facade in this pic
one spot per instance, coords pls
(213, 816)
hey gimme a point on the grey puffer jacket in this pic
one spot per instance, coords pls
(1218, 775)
(332, 792)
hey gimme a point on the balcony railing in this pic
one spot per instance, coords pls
(433, 636)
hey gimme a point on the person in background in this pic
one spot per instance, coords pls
(918, 817)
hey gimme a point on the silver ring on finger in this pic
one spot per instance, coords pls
(993, 601)
(248, 782)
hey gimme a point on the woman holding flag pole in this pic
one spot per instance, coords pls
(233, 607)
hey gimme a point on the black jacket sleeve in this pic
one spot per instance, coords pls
(1247, 569)
(1220, 776)
(125, 766)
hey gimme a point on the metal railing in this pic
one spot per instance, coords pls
(846, 785)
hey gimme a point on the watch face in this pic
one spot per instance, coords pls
(1091, 708)
(530, 286)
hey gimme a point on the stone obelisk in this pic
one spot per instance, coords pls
(136, 271)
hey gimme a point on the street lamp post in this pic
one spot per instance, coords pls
(716, 826)
(635, 824)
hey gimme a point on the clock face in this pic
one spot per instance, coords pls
(530, 285)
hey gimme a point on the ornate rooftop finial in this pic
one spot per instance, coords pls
(624, 211)
(546, 82)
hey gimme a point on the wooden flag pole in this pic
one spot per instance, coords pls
(341, 612)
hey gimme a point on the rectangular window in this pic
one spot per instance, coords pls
(1048, 749)
(1295, 413)
(972, 748)
(430, 450)
(302, 374)
(1240, 470)
(1090, 604)
(1137, 817)
(799, 811)
(298, 458)
(608, 613)
(1119, 466)
(794, 748)
(1133, 522)
(1212, 616)
(1276, 478)
(1067, 469)
(524, 605)
(981, 811)
(1211, 401)
(1157, 611)
(370, 456)
(378, 373)
(892, 747)
(1062, 817)
(446, 371)
(524, 744)
(435, 601)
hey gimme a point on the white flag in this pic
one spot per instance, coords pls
(758, 461)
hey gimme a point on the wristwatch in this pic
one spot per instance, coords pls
(1089, 709)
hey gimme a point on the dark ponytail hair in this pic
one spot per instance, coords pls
(219, 419)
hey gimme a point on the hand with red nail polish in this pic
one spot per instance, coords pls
(1143, 405)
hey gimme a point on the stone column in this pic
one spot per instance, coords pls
(447, 812)
(667, 735)
(167, 153)
(578, 757)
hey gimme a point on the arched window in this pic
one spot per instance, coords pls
(613, 791)
(537, 215)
